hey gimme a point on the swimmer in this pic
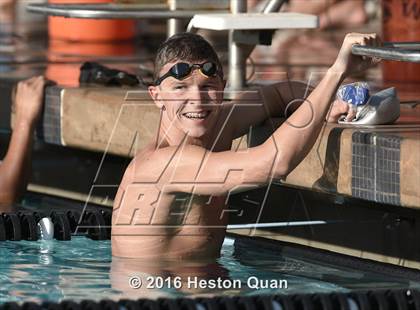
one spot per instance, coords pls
(171, 203)
(16, 165)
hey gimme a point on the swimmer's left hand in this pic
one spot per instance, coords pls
(338, 109)
(347, 63)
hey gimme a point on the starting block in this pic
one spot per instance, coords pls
(253, 21)
(248, 30)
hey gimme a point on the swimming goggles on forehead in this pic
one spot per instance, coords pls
(182, 69)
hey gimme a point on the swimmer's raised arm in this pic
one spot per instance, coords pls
(14, 169)
(192, 169)
(284, 98)
(296, 137)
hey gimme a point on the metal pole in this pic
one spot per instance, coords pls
(279, 224)
(174, 25)
(273, 6)
(237, 60)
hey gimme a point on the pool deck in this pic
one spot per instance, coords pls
(376, 163)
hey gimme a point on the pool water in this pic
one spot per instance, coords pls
(84, 269)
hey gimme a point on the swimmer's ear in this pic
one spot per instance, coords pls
(154, 93)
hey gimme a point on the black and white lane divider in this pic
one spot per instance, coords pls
(94, 224)
(33, 226)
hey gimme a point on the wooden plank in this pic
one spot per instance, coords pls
(105, 121)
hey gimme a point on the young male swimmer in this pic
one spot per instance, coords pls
(15, 167)
(171, 201)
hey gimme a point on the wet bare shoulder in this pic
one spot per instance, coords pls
(157, 165)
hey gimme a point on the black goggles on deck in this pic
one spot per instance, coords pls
(182, 69)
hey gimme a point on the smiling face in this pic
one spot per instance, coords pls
(189, 106)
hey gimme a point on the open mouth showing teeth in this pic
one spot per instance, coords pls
(196, 115)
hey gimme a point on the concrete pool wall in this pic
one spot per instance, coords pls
(375, 163)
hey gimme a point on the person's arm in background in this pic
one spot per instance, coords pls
(280, 99)
(275, 100)
(16, 165)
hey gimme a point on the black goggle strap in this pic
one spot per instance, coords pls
(182, 69)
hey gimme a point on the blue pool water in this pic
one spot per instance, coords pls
(83, 269)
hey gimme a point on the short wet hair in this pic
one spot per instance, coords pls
(185, 46)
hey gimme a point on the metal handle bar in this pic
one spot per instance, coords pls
(399, 51)
(113, 11)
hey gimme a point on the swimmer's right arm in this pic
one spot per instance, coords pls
(192, 169)
(15, 168)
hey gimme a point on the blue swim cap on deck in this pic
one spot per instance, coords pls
(382, 108)
(356, 94)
